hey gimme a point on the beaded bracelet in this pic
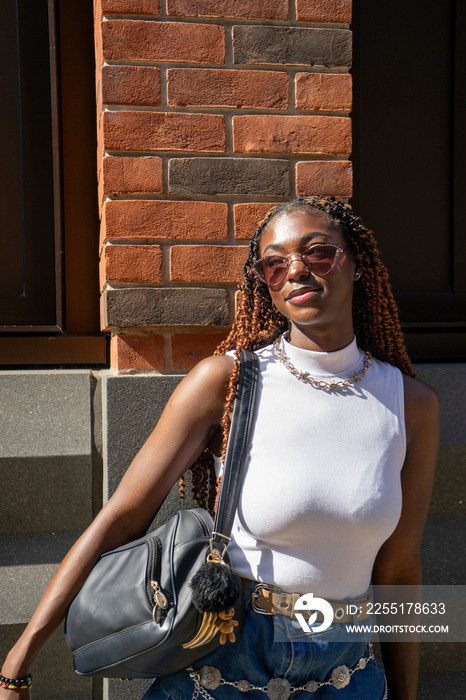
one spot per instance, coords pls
(16, 683)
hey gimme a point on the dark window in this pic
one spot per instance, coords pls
(409, 145)
(30, 284)
(49, 294)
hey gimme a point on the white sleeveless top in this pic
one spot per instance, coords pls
(322, 487)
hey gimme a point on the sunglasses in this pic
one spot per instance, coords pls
(319, 259)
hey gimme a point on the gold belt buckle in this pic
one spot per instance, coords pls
(256, 594)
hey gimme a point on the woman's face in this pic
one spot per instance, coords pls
(318, 307)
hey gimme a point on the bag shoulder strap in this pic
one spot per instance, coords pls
(238, 439)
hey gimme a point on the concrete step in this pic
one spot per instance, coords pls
(27, 563)
(48, 456)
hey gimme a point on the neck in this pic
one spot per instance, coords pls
(333, 339)
(319, 365)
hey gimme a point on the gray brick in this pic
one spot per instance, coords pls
(443, 656)
(442, 670)
(47, 456)
(131, 690)
(49, 548)
(443, 552)
(133, 405)
(154, 306)
(229, 176)
(449, 496)
(449, 381)
(129, 423)
(45, 413)
(291, 46)
(21, 590)
(51, 493)
(442, 685)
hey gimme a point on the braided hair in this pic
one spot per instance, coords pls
(257, 322)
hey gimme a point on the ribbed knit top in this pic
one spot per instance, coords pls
(322, 488)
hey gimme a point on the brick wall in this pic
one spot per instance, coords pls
(209, 111)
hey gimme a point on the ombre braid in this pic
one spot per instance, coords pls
(257, 322)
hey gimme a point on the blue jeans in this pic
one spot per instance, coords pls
(271, 647)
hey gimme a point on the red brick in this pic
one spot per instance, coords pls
(189, 348)
(131, 7)
(131, 175)
(164, 219)
(98, 37)
(248, 217)
(130, 85)
(289, 134)
(136, 40)
(137, 264)
(140, 352)
(338, 11)
(241, 9)
(323, 91)
(218, 87)
(100, 140)
(163, 131)
(325, 177)
(207, 263)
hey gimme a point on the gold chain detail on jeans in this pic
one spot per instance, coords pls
(317, 383)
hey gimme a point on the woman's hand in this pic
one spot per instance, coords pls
(7, 694)
(10, 693)
(17, 668)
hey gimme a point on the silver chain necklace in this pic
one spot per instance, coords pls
(316, 383)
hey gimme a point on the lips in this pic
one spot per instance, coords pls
(301, 294)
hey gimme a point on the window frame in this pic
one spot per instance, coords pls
(76, 338)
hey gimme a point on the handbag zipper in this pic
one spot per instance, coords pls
(154, 590)
(160, 602)
(155, 594)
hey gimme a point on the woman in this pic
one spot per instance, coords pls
(323, 507)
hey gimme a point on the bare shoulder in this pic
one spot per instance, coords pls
(421, 407)
(205, 387)
(419, 394)
(213, 371)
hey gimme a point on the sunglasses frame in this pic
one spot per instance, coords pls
(286, 258)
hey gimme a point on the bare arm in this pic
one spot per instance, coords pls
(183, 431)
(399, 559)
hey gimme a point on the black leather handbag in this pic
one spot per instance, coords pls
(135, 617)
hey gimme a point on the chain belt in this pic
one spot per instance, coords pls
(210, 678)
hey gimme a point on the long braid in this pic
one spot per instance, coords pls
(258, 323)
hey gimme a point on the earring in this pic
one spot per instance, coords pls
(357, 276)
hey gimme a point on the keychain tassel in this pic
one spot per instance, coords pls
(215, 586)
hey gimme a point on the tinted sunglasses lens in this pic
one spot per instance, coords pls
(320, 258)
(271, 270)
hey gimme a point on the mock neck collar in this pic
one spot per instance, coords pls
(343, 361)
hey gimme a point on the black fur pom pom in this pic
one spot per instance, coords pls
(215, 587)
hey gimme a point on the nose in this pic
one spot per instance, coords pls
(296, 268)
